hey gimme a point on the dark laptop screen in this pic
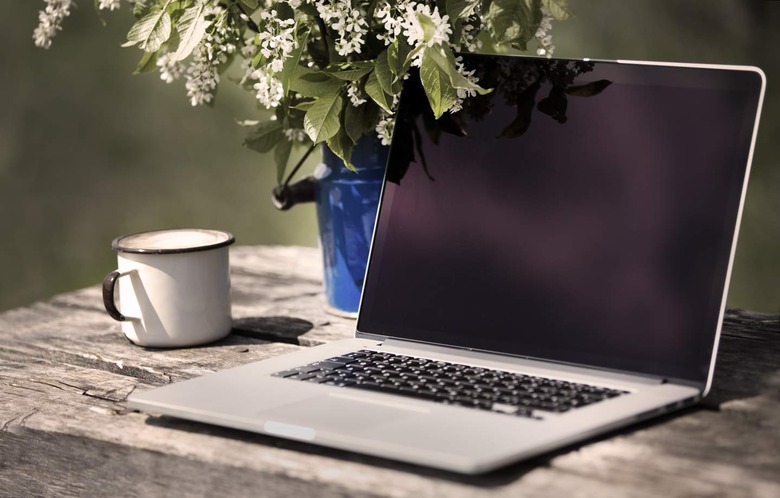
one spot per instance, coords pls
(582, 212)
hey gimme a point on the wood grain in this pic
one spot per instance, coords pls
(65, 371)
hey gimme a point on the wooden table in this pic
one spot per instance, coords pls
(65, 371)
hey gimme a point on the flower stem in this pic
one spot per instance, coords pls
(298, 165)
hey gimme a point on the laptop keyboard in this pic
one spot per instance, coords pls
(450, 383)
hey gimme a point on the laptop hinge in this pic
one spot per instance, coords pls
(419, 348)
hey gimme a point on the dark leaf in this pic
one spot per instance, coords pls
(555, 104)
(525, 109)
(589, 89)
(264, 136)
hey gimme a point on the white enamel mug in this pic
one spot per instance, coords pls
(174, 287)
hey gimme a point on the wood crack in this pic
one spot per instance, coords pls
(21, 418)
(43, 382)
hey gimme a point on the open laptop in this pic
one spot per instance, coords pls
(548, 264)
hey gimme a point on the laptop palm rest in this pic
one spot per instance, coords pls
(336, 413)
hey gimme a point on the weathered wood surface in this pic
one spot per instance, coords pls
(65, 371)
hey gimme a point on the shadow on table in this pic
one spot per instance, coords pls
(497, 478)
(272, 328)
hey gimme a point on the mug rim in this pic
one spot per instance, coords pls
(116, 244)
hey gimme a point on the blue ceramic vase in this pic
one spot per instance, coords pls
(346, 210)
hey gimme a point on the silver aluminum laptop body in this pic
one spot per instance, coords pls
(658, 364)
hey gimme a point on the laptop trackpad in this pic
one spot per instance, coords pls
(336, 412)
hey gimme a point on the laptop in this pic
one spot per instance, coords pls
(548, 264)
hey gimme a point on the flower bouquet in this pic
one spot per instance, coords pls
(330, 70)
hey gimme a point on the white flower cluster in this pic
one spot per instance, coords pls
(170, 68)
(108, 4)
(220, 41)
(50, 20)
(417, 35)
(463, 93)
(386, 124)
(391, 15)
(276, 41)
(350, 24)
(543, 36)
(269, 88)
(295, 134)
(202, 77)
(354, 94)
(468, 35)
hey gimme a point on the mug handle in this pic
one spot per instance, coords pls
(109, 284)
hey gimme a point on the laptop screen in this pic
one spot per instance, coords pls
(581, 212)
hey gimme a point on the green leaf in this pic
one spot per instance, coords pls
(374, 90)
(354, 121)
(303, 105)
(509, 21)
(341, 145)
(349, 71)
(383, 73)
(250, 4)
(322, 120)
(283, 11)
(191, 27)
(445, 59)
(151, 31)
(310, 83)
(441, 94)
(281, 156)
(398, 57)
(147, 64)
(370, 117)
(291, 64)
(264, 136)
(559, 9)
(461, 9)
(427, 25)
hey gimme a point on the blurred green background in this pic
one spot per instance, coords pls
(89, 152)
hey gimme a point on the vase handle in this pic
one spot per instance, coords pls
(286, 196)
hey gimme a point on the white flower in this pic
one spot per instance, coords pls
(384, 129)
(170, 68)
(202, 77)
(391, 15)
(542, 35)
(350, 24)
(295, 134)
(220, 40)
(270, 90)
(276, 39)
(108, 4)
(463, 93)
(423, 26)
(386, 124)
(468, 36)
(50, 20)
(353, 92)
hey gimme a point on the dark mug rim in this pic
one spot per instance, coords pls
(116, 244)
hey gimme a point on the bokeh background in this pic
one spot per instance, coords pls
(89, 152)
